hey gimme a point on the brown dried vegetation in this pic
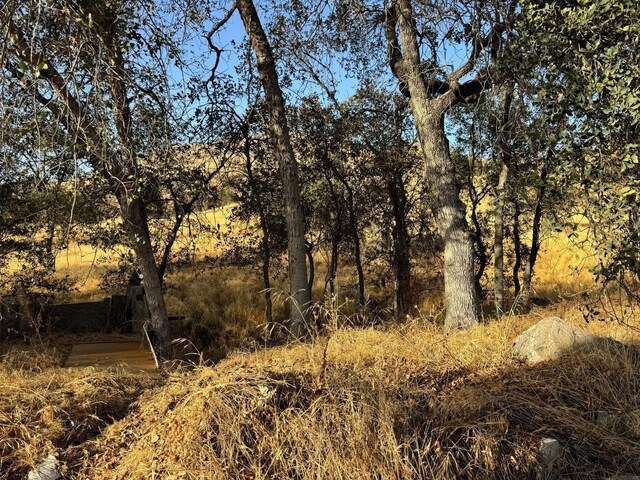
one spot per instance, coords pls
(405, 402)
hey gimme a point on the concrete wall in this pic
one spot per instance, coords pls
(108, 315)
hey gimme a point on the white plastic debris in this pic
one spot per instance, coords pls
(47, 470)
(548, 453)
(549, 449)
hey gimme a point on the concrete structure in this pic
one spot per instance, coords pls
(117, 313)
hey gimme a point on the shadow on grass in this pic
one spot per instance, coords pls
(401, 421)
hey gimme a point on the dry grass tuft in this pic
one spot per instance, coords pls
(45, 408)
(223, 310)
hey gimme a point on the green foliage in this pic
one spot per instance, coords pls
(585, 56)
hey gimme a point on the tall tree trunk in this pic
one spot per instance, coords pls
(401, 261)
(355, 235)
(525, 295)
(498, 216)
(461, 299)
(299, 293)
(498, 242)
(517, 247)
(132, 206)
(459, 278)
(135, 220)
(264, 226)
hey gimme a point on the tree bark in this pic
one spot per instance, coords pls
(459, 279)
(403, 304)
(498, 242)
(299, 293)
(525, 294)
(498, 218)
(461, 299)
(135, 220)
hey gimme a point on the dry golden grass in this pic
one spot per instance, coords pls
(45, 408)
(395, 401)
(226, 307)
(406, 402)
(402, 401)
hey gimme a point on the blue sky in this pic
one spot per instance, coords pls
(234, 31)
(231, 36)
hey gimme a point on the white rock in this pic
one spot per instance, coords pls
(549, 339)
(548, 454)
(47, 470)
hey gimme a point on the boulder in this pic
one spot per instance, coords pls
(549, 339)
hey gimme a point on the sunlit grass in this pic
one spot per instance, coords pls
(365, 398)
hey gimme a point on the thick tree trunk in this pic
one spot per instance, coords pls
(135, 220)
(299, 293)
(459, 279)
(461, 299)
(401, 261)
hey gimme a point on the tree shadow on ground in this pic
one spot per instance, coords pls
(401, 420)
(489, 424)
